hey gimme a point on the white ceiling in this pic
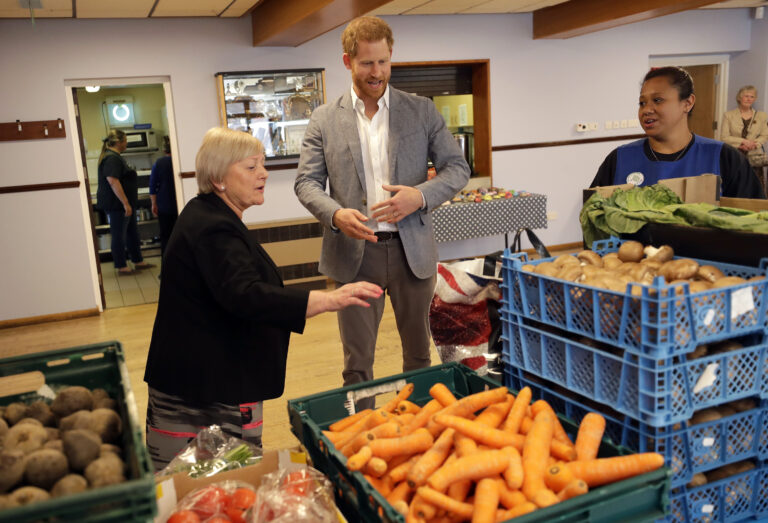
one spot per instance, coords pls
(237, 8)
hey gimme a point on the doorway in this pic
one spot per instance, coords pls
(141, 107)
(710, 81)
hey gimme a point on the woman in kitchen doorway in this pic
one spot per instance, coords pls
(224, 318)
(670, 149)
(117, 195)
(163, 194)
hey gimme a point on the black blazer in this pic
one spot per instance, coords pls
(224, 317)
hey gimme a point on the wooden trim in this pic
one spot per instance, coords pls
(222, 100)
(577, 246)
(37, 130)
(61, 316)
(39, 187)
(481, 102)
(497, 148)
(187, 174)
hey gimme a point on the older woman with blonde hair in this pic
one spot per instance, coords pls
(745, 127)
(224, 317)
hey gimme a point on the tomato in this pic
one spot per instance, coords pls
(235, 515)
(242, 498)
(209, 502)
(218, 519)
(297, 483)
(184, 516)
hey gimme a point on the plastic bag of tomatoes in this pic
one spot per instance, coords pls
(294, 495)
(226, 501)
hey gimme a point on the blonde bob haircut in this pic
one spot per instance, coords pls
(221, 148)
(365, 29)
(744, 90)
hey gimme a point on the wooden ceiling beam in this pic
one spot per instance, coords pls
(292, 23)
(578, 17)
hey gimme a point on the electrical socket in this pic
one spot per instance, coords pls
(593, 126)
(616, 124)
(581, 127)
(609, 124)
(634, 122)
(624, 124)
(552, 215)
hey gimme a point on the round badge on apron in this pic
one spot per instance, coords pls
(635, 178)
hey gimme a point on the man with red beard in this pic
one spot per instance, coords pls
(371, 147)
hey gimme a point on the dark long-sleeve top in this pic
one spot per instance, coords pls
(224, 317)
(161, 185)
(737, 177)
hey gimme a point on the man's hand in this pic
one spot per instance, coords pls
(350, 222)
(406, 200)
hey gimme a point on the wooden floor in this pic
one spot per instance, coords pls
(314, 358)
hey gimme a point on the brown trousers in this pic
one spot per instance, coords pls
(384, 264)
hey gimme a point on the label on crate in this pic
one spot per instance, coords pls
(707, 378)
(708, 508)
(708, 442)
(741, 302)
(709, 316)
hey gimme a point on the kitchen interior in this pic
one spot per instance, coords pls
(140, 111)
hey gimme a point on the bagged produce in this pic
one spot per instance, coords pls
(222, 501)
(294, 495)
(212, 452)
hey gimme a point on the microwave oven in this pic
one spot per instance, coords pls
(141, 140)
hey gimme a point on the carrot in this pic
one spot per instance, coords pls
(390, 429)
(368, 421)
(486, 501)
(431, 460)
(464, 445)
(494, 414)
(458, 490)
(590, 434)
(418, 441)
(476, 466)
(344, 423)
(375, 467)
(557, 477)
(596, 472)
(446, 503)
(480, 433)
(338, 439)
(423, 416)
(535, 453)
(397, 473)
(401, 506)
(405, 419)
(510, 498)
(513, 475)
(559, 433)
(379, 484)
(525, 508)
(525, 425)
(401, 492)
(562, 451)
(407, 407)
(442, 394)
(402, 394)
(468, 405)
(545, 498)
(517, 412)
(356, 443)
(422, 508)
(577, 487)
(358, 460)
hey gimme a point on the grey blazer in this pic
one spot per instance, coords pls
(331, 154)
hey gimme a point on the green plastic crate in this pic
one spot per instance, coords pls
(642, 498)
(99, 365)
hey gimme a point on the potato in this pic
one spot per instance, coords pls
(699, 352)
(32, 421)
(105, 471)
(705, 415)
(743, 405)
(78, 420)
(53, 433)
(45, 467)
(27, 495)
(697, 480)
(42, 413)
(105, 403)
(15, 412)
(7, 502)
(729, 470)
(72, 399)
(26, 437)
(55, 444)
(69, 484)
(81, 446)
(109, 448)
(11, 468)
(107, 424)
(99, 393)
(3, 430)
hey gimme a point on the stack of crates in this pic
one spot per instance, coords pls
(631, 356)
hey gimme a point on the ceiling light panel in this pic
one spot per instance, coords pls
(113, 8)
(49, 9)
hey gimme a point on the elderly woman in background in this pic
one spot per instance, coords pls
(117, 195)
(745, 127)
(224, 318)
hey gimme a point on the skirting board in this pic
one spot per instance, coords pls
(32, 320)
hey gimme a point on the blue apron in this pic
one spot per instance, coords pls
(633, 166)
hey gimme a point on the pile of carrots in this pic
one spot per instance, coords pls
(486, 457)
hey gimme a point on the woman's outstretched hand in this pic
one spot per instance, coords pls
(357, 294)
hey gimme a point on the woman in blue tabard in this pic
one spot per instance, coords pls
(671, 150)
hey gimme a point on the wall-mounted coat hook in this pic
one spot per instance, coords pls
(38, 130)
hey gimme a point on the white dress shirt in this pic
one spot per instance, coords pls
(374, 144)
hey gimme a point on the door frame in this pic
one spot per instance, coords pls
(85, 197)
(721, 87)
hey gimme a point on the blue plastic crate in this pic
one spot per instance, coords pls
(656, 323)
(656, 392)
(687, 449)
(742, 497)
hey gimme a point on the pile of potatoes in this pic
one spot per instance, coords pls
(61, 448)
(634, 263)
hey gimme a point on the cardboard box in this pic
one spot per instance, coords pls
(704, 188)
